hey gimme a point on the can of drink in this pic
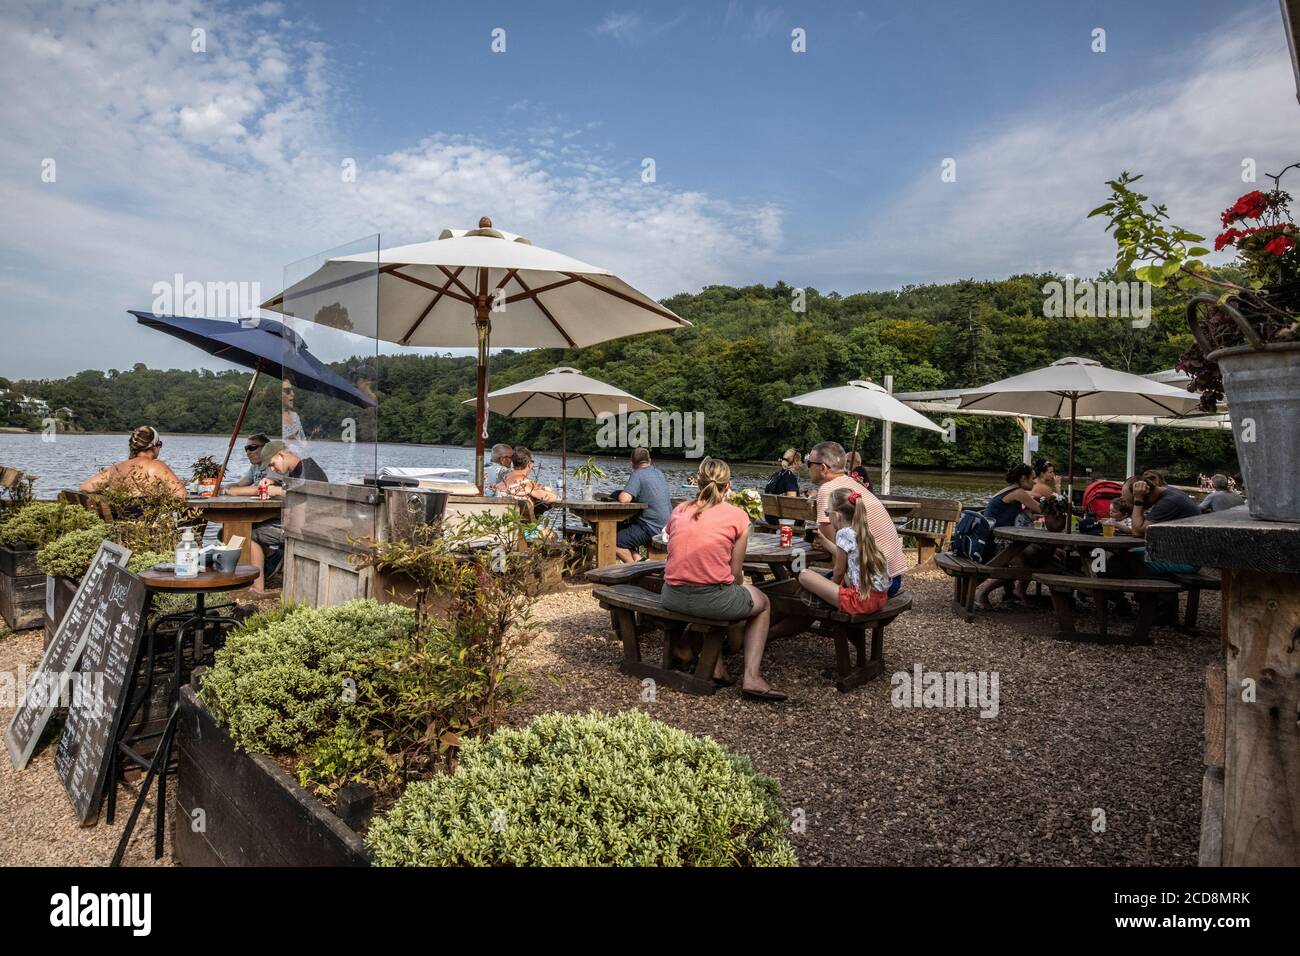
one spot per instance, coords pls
(787, 534)
(261, 490)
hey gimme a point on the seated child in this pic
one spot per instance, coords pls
(859, 581)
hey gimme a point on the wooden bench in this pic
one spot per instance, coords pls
(1194, 584)
(967, 574)
(930, 525)
(636, 610)
(1145, 591)
(844, 629)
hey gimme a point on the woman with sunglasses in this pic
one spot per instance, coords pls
(142, 470)
(785, 480)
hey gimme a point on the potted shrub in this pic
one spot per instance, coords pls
(587, 473)
(205, 474)
(511, 801)
(22, 534)
(1056, 512)
(1247, 339)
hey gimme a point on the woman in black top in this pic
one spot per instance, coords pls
(785, 480)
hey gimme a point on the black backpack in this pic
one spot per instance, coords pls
(772, 488)
(972, 538)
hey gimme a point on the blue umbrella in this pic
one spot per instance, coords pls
(263, 345)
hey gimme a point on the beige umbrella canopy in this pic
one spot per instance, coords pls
(563, 393)
(1079, 386)
(481, 287)
(864, 400)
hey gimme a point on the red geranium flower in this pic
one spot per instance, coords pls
(1250, 206)
(1280, 245)
(1225, 238)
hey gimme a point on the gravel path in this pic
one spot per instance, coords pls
(1080, 730)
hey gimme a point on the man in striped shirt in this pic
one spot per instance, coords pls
(827, 470)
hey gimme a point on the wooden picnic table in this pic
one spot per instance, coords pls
(1020, 539)
(605, 517)
(766, 549)
(237, 514)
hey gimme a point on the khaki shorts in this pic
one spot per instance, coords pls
(717, 602)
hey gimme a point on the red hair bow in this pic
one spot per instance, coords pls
(853, 497)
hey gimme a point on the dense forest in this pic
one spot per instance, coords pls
(747, 350)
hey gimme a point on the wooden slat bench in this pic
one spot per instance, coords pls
(930, 525)
(636, 611)
(1145, 591)
(844, 629)
(967, 574)
(1194, 584)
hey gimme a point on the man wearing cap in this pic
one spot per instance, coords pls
(282, 462)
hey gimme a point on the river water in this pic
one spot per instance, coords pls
(67, 460)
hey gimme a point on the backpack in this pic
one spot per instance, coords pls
(772, 488)
(972, 537)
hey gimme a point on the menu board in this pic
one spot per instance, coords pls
(42, 694)
(82, 757)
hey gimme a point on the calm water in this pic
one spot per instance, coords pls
(69, 459)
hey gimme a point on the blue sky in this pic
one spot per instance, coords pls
(819, 168)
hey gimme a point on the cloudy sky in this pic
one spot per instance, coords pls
(135, 148)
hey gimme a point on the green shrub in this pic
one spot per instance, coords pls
(41, 522)
(572, 790)
(70, 555)
(278, 684)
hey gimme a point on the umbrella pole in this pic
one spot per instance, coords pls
(484, 327)
(234, 436)
(857, 423)
(1070, 487)
(564, 447)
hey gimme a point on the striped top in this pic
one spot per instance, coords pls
(878, 520)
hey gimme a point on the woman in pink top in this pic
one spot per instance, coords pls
(707, 539)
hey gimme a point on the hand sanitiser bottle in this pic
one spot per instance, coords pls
(187, 556)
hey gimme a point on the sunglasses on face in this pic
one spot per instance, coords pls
(251, 448)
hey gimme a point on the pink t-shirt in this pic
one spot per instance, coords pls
(699, 549)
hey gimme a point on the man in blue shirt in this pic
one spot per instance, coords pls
(648, 485)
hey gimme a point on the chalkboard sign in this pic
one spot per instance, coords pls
(81, 759)
(42, 694)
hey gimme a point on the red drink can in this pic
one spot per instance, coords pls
(787, 535)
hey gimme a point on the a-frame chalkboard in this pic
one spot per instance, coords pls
(104, 675)
(41, 696)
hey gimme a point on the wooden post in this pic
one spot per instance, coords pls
(1260, 561)
(1261, 813)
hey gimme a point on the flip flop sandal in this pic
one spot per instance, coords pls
(724, 682)
(772, 696)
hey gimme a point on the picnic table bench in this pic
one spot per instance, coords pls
(844, 629)
(1144, 590)
(1194, 584)
(967, 574)
(930, 524)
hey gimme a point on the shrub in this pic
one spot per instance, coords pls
(278, 684)
(572, 790)
(41, 522)
(70, 555)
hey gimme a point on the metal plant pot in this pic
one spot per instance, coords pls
(1261, 384)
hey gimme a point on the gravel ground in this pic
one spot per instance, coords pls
(1081, 730)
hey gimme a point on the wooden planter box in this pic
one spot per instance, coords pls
(56, 594)
(239, 809)
(22, 587)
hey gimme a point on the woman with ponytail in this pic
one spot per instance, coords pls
(142, 470)
(859, 582)
(704, 577)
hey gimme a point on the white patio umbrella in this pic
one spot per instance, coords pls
(1079, 386)
(481, 287)
(864, 400)
(563, 393)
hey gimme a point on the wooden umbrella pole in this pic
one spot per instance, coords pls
(239, 423)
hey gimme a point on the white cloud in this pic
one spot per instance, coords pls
(621, 26)
(1023, 191)
(225, 165)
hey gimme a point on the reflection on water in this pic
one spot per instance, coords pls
(70, 459)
